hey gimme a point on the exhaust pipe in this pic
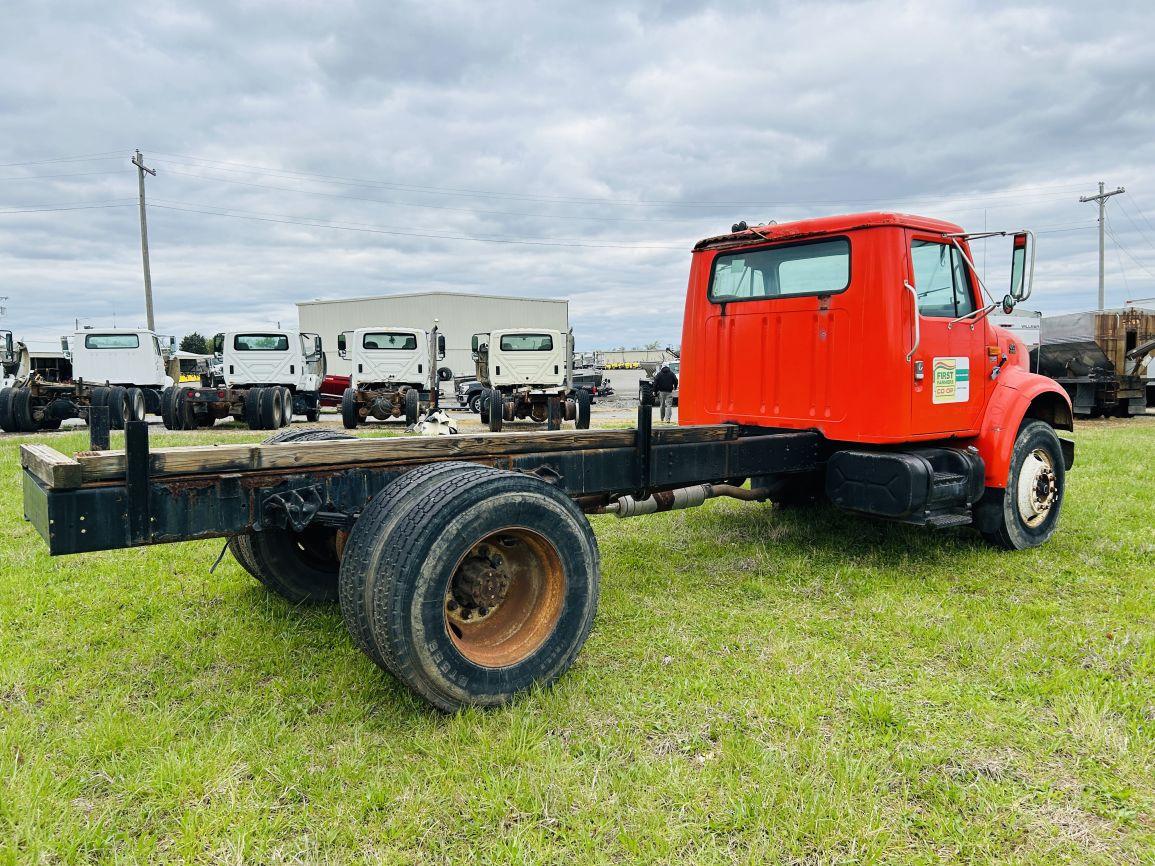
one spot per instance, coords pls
(683, 497)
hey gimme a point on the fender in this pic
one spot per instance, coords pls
(1017, 395)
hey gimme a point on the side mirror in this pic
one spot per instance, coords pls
(1008, 304)
(341, 345)
(66, 347)
(474, 343)
(219, 344)
(1022, 270)
(318, 348)
(440, 346)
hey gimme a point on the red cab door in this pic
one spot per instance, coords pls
(949, 367)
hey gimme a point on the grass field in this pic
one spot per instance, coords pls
(761, 686)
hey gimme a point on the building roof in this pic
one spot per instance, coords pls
(427, 294)
(827, 225)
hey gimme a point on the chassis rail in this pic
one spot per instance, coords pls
(106, 500)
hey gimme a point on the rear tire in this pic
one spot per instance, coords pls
(136, 405)
(412, 406)
(299, 567)
(496, 404)
(354, 564)
(270, 408)
(350, 417)
(286, 406)
(22, 411)
(167, 408)
(253, 399)
(481, 592)
(582, 422)
(7, 422)
(1026, 513)
(118, 408)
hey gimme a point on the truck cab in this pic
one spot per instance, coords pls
(873, 330)
(389, 356)
(522, 358)
(120, 356)
(270, 357)
(528, 373)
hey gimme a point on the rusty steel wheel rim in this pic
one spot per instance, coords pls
(505, 597)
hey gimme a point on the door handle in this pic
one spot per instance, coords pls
(917, 335)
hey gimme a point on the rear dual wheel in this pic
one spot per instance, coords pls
(470, 584)
(301, 567)
(16, 411)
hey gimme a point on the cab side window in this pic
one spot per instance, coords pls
(941, 280)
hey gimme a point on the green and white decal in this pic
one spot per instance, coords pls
(951, 380)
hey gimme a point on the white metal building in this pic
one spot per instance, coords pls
(459, 316)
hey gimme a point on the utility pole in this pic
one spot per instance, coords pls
(1101, 198)
(141, 168)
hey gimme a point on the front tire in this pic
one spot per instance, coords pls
(482, 592)
(350, 417)
(412, 406)
(475, 403)
(1026, 513)
(582, 422)
(495, 405)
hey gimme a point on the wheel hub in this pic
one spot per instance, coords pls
(479, 586)
(1037, 488)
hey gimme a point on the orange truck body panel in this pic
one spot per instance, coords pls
(837, 362)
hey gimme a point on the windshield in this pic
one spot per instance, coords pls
(111, 341)
(526, 343)
(261, 343)
(813, 268)
(385, 340)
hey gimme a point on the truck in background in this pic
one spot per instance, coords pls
(527, 374)
(1096, 358)
(394, 373)
(125, 369)
(262, 377)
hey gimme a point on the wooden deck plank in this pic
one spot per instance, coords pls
(202, 459)
(57, 470)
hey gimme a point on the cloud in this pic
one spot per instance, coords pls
(580, 130)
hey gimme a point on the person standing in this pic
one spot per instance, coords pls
(665, 383)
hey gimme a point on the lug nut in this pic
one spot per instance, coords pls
(451, 604)
(482, 611)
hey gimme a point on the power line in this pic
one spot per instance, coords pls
(106, 154)
(74, 207)
(382, 230)
(73, 174)
(415, 204)
(1129, 255)
(243, 168)
(1126, 213)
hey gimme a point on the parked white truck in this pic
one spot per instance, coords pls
(393, 373)
(529, 374)
(125, 369)
(261, 377)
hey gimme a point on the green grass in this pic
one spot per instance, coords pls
(760, 687)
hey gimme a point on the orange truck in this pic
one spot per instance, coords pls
(848, 359)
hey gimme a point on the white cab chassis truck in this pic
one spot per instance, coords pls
(527, 373)
(393, 373)
(125, 369)
(262, 377)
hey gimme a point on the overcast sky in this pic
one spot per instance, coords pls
(342, 148)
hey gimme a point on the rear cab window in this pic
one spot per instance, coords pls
(389, 340)
(526, 343)
(260, 343)
(111, 341)
(784, 270)
(940, 280)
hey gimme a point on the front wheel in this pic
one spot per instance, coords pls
(350, 417)
(481, 593)
(475, 403)
(494, 406)
(1026, 513)
(412, 406)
